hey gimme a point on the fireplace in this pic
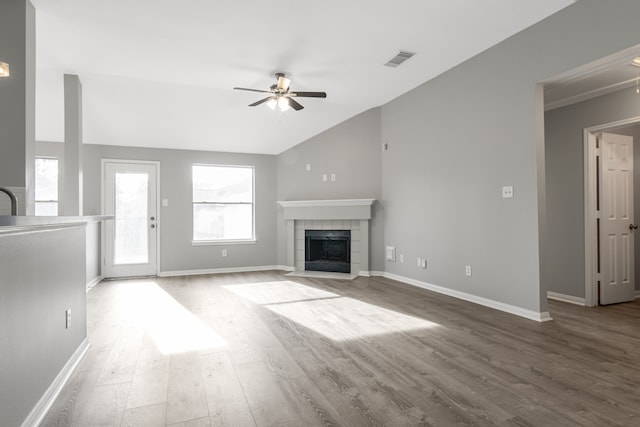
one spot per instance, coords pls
(328, 250)
(351, 215)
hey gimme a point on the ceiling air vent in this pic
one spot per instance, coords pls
(399, 58)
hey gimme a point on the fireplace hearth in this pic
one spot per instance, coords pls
(328, 250)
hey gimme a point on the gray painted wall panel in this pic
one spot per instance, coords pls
(456, 140)
(17, 117)
(177, 252)
(38, 283)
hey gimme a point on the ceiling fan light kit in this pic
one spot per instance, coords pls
(4, 69)
(280, 96)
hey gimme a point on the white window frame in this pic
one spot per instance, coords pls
(57, 201)
(249, 241)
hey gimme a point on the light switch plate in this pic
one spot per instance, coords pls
(391, 253)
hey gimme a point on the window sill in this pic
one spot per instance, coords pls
(223, 242)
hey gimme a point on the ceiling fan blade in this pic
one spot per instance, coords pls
(252, 90)
(309, 94)
(295, 104)
(261, 101)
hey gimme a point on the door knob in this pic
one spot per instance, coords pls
(153, 218)
(633, 227)
(153, 226)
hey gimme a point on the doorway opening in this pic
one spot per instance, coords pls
(609, 213)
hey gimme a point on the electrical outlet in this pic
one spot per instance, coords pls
(401, 257)
(333, 177)
(67, 323)
(507, 192)
(224, 252)
(324, 176)
(419, 262)
(467, 270)
(424, 263)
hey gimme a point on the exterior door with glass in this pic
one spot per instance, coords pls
(130, 195)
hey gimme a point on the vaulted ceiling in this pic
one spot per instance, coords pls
(160, 73)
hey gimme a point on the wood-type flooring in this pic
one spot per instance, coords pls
(264, 349)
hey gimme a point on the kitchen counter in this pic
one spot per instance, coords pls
(28, 221)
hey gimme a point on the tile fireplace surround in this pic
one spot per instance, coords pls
(346, 214)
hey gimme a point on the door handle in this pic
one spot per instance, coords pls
(153, 226)
(153, 218)
(633, 227)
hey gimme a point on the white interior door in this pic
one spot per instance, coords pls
(130, 195)
(617, 227)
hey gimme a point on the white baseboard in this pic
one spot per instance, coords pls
(94, 282)
(377, 273)
(48, 398)
(364, 273)
(637, 294)
(220, 270)
(566, 298)
(497, 305)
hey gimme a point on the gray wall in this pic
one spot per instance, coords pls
(175, 220)
(564, 259)
(39, 282)
(17, 111)
(457, 139)
(352, 150)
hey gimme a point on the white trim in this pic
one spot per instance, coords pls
(45, 403)
(637, 295)
(364, 273)
(324, 203)
(497, 305)
(222, 270)
(590, 237)
(94, 282)
(223, 242)
(566, 298)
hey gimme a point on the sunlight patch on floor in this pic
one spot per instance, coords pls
(265, 293)
(173, 328)
(332, 315)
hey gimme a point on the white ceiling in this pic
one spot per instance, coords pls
(160, 73)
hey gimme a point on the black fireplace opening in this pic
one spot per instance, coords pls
(328, 250)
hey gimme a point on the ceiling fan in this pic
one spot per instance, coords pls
(281, 97)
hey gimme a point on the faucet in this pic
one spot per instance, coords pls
(14, 200)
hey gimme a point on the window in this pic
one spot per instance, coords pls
(46, 185)
(222, 203)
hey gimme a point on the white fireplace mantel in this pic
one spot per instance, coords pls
(329, 210)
